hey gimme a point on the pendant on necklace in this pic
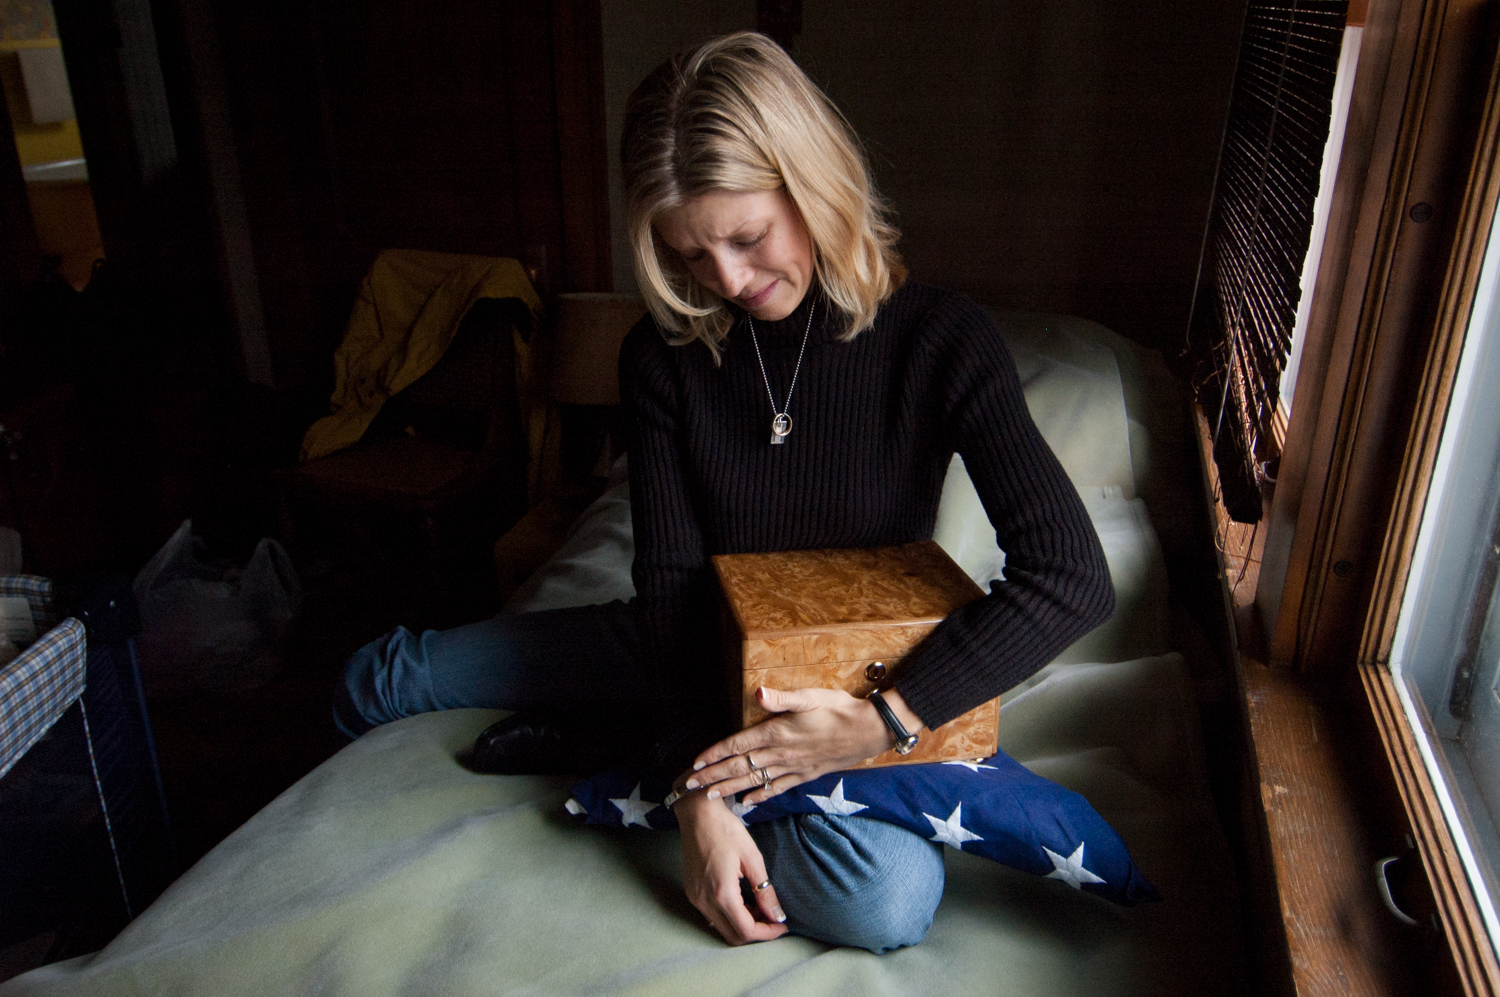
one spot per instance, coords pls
(780, 427)
(782, 424)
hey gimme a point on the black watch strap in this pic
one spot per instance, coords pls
(904, 741)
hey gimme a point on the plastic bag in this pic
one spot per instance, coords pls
(213, 626)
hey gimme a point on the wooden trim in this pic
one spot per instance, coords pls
(1378, 332)
(1314, 618)
(114, 70)
(1314, 920)
(1199, 574)
(1467, 935)
(1457, 304)
(578, 77)
(1340, 939)
(1473, 956)
(20, 256)
(226, 192)
(1359, 188)
(532, 106)
(1400, 287)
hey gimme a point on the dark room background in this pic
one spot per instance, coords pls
(247, 162)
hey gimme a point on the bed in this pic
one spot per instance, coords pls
(391, 869)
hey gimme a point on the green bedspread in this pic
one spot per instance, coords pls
(390, 869)
(393, 870)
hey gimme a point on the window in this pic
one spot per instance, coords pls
(1446, 654)
(1366, 522)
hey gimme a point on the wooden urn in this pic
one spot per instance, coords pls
(845, 619)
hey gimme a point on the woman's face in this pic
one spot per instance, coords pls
(749, 248)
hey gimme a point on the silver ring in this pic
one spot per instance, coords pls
(765, 777)
(763, 885)
(749, 761)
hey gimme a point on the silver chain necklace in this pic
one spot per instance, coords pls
(781, 425)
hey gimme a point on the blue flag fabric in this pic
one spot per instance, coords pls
(995, 808)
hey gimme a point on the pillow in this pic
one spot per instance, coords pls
(593, 564)
(1138, 627)
(1161, 455)
(995, 808)
(1076, 397)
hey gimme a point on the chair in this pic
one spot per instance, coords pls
(584, 387)
(453, 441)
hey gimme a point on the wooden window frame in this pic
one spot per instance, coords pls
(1468, 938)
(1389, 314)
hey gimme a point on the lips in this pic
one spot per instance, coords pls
(759, 298)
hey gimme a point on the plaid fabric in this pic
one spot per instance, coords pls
(37, 687)
(38, 592)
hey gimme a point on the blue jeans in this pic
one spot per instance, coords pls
(843, 880)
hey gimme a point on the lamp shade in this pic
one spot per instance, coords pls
(590, 328)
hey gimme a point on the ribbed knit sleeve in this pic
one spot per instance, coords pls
(1056, 584)
(671, 568)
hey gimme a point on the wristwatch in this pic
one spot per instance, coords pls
(904, 741)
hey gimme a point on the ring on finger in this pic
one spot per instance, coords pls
(764, 884)
(765, 777)
(750, 761)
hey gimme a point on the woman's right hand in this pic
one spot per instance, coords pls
(716, 852)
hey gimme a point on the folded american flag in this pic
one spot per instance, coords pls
(995, 808)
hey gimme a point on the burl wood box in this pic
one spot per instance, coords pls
(844, 619)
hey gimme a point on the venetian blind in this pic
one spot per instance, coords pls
(1260, 223)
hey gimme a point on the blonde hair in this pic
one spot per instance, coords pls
(738, 115)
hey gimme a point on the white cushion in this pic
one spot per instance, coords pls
(1074, 392)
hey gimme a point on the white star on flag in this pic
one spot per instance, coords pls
(951, 831)
(835, 803)
(973, 766)
(1070, 870)
(634, 809)
(740, 810)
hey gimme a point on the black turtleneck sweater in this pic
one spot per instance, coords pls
(875, 423)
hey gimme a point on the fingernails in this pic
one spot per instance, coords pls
(778, 915)
(713, 794)
(692, 784)
(697, 766)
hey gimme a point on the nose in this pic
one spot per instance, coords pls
(730, 274)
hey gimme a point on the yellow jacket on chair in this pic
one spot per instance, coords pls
(410, 305)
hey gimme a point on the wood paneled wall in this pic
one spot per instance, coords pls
(1055, 156)
(355, 127)
(1058, 156)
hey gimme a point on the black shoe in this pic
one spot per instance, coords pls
(551, 742)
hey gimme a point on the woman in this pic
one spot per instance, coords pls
(790, 390)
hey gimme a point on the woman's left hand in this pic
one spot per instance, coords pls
(815, 731)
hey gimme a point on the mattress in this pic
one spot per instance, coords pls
(391, 869)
